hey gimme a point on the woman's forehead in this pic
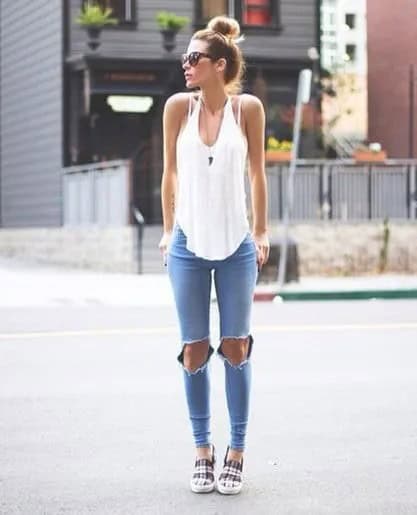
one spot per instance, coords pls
(197, 45)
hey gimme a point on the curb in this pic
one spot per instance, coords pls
(337, 295)
(264, 296)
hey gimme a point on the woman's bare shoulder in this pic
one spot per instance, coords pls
(250, 102)
(178, 101)
(250, 105)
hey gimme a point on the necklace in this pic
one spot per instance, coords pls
(210, 148)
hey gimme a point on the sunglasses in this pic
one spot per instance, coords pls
(193, 58)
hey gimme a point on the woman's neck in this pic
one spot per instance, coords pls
(214, 100)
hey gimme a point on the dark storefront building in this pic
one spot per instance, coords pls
(84, 106)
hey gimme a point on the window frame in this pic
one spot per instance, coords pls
(351, 16)
(274, 28)
(123, 24)
(353, 54)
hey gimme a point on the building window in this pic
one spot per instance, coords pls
(350, 53)
(350, 21)
(123, 10)
(258, 13)
(213, 8)
(251, 14)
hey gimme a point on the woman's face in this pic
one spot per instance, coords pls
(198, 68)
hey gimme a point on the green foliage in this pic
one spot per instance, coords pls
(170, 21)
(273, 143)
(93, 15)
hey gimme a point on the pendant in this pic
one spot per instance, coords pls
(210, 160)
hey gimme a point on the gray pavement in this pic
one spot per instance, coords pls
(29, 284)
(93, 418)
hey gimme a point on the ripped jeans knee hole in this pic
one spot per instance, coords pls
(227, 359)
(202, 366)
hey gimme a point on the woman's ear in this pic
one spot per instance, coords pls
(221, 64)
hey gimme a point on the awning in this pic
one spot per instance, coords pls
(113, 76)
(121, 82)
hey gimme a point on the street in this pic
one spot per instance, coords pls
(93, 415)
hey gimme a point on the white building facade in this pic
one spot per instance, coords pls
(344, 55)
(343, 45)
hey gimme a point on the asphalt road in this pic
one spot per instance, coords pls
(93, 418)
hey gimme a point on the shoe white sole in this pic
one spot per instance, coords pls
(229, 490)
(202, 489)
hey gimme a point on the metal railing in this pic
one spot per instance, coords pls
(345, 190)
(101, 193)
(97, 194)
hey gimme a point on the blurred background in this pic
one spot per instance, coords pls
(81, 133)
(92, 413)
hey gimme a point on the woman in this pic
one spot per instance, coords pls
(208, 136)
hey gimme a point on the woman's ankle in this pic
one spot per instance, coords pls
(204, 452)
(234, 454)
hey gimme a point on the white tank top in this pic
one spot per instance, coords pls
(211, 199)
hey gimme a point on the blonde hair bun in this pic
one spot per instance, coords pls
(229, 27)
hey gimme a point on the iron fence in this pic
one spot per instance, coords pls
(100, 193)
(345, 190)
(97, 194)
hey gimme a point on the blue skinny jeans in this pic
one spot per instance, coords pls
(234, 280)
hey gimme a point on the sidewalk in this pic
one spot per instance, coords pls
(28, 284)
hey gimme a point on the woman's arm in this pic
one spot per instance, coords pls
(255, 131)
(173, 115)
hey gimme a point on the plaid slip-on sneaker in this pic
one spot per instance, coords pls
(230, 480)
(203, 477)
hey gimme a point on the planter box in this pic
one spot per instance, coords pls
(169, 39)
(272, 156)
(369, 157)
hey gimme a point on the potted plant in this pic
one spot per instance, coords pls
(277, 150)
(371, 153)
(93, 18)
(169, 24)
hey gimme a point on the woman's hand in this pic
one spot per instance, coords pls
(262, 248)
(164, 245)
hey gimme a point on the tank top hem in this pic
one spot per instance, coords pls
(231, 249)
